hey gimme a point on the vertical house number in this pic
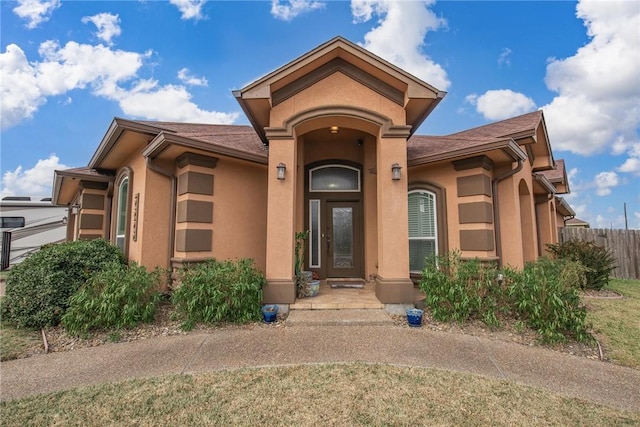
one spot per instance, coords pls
(136, 202)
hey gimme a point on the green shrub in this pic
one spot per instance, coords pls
(114, 298)
(545, 297)
(219, 291)
(39, 288)
(461, 290)
(599, 261)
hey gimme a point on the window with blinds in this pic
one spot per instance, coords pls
(423, 229)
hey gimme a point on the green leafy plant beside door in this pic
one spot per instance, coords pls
(301, 278)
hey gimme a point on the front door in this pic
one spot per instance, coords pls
(343, 239)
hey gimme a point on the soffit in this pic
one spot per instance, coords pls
(129, 143)
(66, 183)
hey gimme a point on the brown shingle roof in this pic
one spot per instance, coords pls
(88, 172)
(237, 137)
(419, 146)
(557, 174)
(504, 128)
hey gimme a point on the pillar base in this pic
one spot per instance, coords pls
(279, 291)
(395, 291)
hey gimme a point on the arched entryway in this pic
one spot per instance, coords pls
(526, 222)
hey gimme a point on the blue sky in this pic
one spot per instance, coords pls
(68, 68)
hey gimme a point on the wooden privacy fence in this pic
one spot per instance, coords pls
(624, 245)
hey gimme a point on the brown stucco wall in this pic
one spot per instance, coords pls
(337, 89)
(137, 185)
(517, 218)
(240, 210)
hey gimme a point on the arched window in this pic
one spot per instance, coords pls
(334, 178)
(423, 228)
(121, 213)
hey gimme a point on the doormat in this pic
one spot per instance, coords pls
(346, 283)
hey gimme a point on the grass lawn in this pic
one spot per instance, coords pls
(15, 342)
(616, 322)
(328, 395)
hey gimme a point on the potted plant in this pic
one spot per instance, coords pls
(306, 286)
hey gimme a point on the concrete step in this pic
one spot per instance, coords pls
(347, 317)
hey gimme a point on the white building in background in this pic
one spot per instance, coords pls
(26, 225)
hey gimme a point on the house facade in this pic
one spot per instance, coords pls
(331, 149)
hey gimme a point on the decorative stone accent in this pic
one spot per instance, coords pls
(478, 212)
(474, 185)
(195, 183)
(477, 240)
(194, 240)
(195, 211)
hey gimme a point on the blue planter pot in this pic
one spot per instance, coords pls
(269, 313)
(414, 317)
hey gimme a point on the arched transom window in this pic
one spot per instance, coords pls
(336, 178)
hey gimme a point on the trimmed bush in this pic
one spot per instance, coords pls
(219, 291)
(545, 297)
(115, 298)
(598, 261)
(39, 288)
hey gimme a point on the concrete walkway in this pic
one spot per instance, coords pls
(313, 338)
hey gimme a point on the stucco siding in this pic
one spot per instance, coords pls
(337, 89)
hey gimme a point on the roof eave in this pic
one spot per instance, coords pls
(163, 141)
(60, 175)
(545, 183)
(509, 146)
(116, 129)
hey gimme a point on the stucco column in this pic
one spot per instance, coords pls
(393, 284)
(281, 213)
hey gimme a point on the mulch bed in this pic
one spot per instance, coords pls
(59, 341)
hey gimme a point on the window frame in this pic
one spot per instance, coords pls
(436, 225)
(126, 174)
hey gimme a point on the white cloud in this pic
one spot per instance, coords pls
(501, 104)
(636, 214)
(151, 101)
(504, 59)
(190, 80)
(19, 91)
(631, 165)
(108, 25)
(113, 74)
(35, 182)
(190, 9)
(289, 9)
(597, 107)
(36, 11)
(604, 182)
(412, 20)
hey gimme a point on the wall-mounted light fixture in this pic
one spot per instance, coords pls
(395, 171)
(74, 209)
(334, 129)
(281, 170)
